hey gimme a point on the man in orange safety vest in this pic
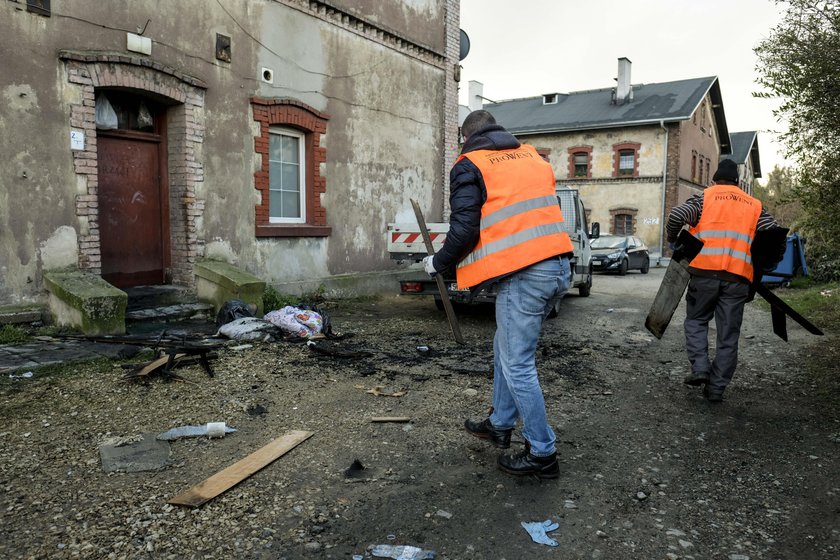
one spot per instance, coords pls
(726, 219)
(505, 228)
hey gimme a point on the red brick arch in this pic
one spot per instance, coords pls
(185, 136)
(313, 123)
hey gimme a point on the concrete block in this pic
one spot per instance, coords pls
(86, 302)
(217, 282)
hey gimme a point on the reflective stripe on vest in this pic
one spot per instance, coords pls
(727, 227)
(521, 221)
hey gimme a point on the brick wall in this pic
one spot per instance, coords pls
(450, 115)
(185, 136)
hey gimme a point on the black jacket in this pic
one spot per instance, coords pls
(467, 194)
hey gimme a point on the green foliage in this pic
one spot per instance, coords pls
(779, 197)
(272, 299)
(798, 64)
(818, 301)
(12, 334)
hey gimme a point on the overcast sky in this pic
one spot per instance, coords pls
(523, 48)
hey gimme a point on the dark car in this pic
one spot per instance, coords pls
(620, 253)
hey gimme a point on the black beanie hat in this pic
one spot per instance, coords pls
(726, 171)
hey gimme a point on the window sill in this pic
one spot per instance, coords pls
(292, 230)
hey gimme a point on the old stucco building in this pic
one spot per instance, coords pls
(278, 135)
(633, 151)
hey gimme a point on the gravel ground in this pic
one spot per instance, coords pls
(648, 468)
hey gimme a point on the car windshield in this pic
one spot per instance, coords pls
(609, 242)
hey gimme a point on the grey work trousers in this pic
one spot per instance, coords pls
(725, 300)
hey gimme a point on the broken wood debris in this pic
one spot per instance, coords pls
(167, 362)
(378, 392)
(231, 476)
(336, 352)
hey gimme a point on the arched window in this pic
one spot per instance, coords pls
(623, 220)
(626, 159)
(580, 162)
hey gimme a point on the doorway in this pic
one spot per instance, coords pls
(133, 198)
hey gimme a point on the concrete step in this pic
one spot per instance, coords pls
(13, 315)
(146, 297)
(169, 313)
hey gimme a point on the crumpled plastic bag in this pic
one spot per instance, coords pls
(401, 552)
(106, 117)
(233, 309)
(212, 429)
(144, 117)
(538, 530)
(295, 321)
(249, 328)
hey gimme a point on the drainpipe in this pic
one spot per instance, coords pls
(664, 187)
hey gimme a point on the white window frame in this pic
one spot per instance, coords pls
(302, 163)
(627, 170)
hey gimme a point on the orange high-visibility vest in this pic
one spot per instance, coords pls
(521, 221)
(727, 228)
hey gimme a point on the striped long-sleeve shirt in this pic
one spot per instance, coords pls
(689, 212)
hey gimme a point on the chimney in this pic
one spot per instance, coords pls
(475, 99)
(624, 91)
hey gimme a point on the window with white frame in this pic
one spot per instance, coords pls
(286, 176)
(626, 162)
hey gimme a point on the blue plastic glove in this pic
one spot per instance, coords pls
(429, 266)
(538, 531)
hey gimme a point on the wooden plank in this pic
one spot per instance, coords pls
(153, 365)
(236, 473)
(390, 419)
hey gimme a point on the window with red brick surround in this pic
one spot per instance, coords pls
(625, 149)
(577, 156)
(623, 220)
(312, 124)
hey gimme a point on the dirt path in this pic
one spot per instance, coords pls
(649, 468)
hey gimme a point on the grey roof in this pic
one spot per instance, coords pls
(745, 146)
(593, 109)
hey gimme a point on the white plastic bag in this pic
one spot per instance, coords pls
(249, 328)
(144, 117)
(106, 117)
(295, 321)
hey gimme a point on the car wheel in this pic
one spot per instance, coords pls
(584, 289)
(622, 269)
(645, 267)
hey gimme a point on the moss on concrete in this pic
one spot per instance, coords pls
(219, 281)
(86, 302)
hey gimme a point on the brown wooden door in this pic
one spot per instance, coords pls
(133, 221)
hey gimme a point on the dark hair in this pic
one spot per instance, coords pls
(475, 121)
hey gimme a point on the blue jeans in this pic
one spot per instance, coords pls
(523, 301)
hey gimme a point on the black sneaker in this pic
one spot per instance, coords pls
(695, 379)
(713, 395)
(523, 463)
(485, 430)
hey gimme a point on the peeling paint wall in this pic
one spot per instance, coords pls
(603, 193)
(378, 70)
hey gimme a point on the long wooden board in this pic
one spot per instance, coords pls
(444, 294)
(673, 284)
(236, 473)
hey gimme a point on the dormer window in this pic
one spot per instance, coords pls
(549, 99)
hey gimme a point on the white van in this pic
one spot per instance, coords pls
(405, 243)
(574, 222)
